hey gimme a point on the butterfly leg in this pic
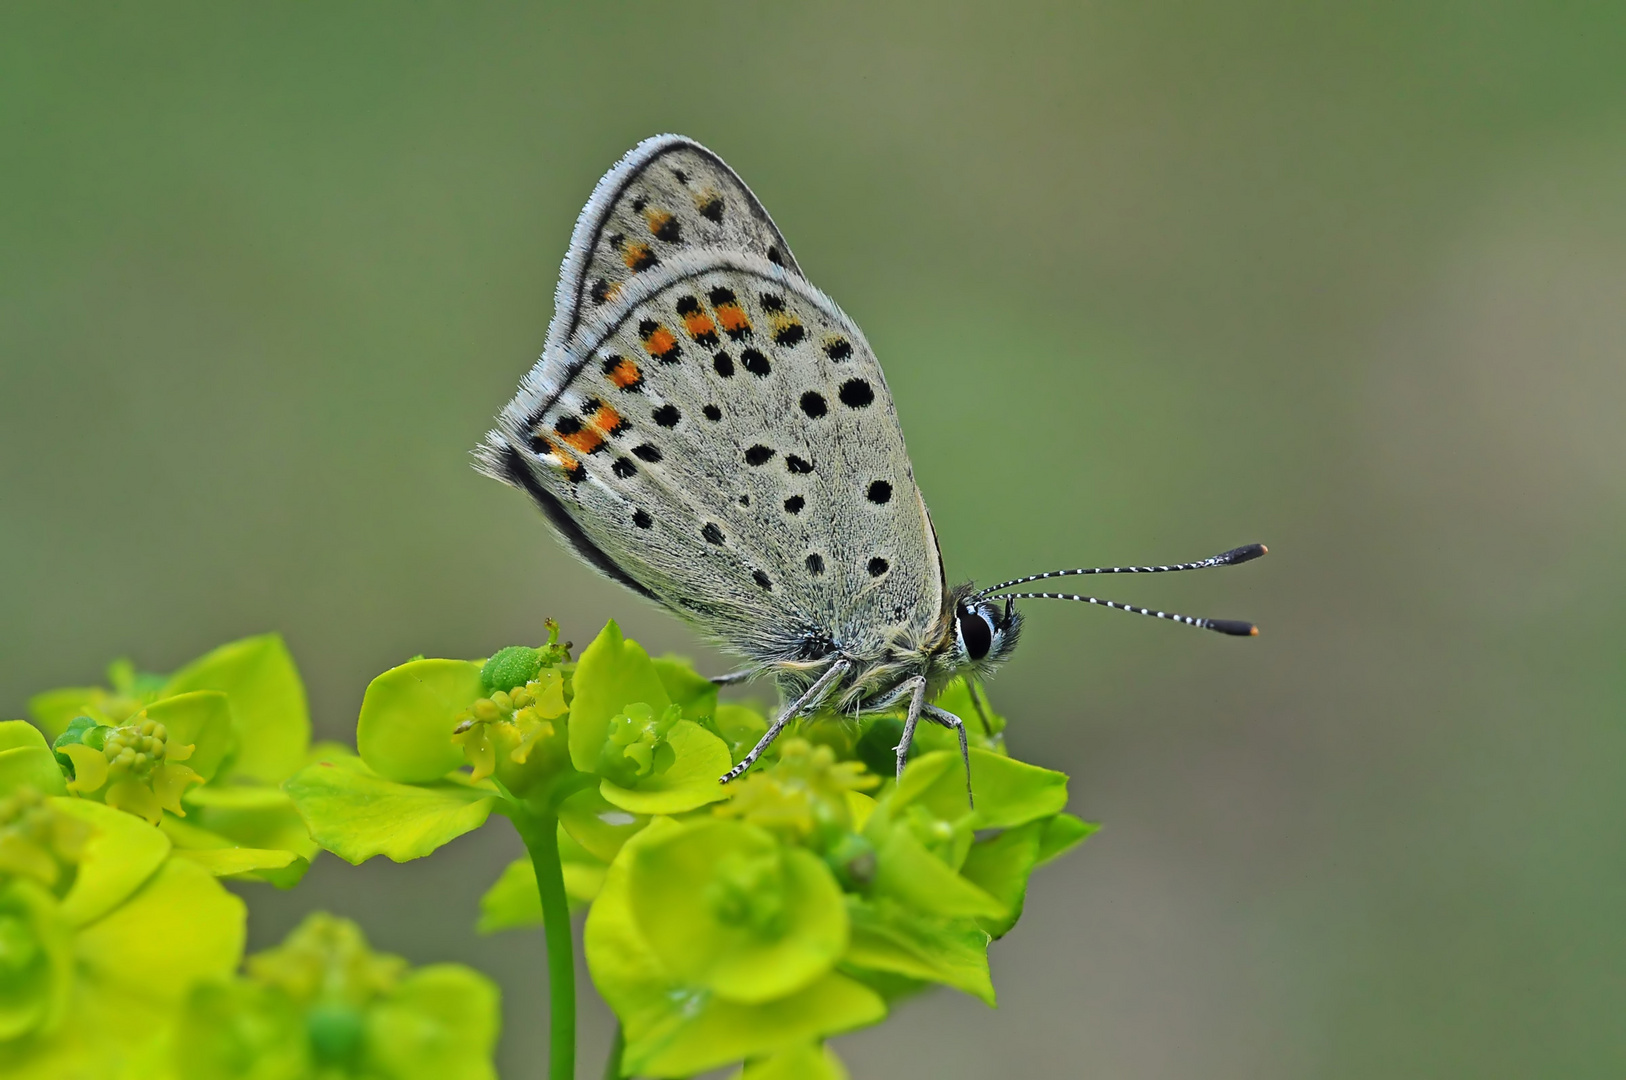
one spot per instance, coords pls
(733, 678)
(949, 720)
(915, 690)
(809, 700)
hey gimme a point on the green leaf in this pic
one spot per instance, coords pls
(1063, 833)
(891, 937)
(223, 858)
(741, 728)
(675, 1029)
(39, 973)
(809, 1061)
(123, 851)
(201, 718)
(1008, 792)
(440, 1023)
(54, 709)
(690, 690)
(356, 814)
(268, 707)
(251, 864)
(1001, 865)
(254, 816)
(20, 735)
(407, 716)
(611, 674)
(598, 824)
(180, 928)
(691, 781)
(26, 760)
(906, 871)
(727, 907)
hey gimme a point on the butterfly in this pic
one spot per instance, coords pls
(710, 430)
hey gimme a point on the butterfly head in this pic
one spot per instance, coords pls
(985, 631)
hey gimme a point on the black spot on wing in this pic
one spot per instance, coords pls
(877, 566)
(667, 416)
(647, 452)
(838, 349)
(713, 413)
(813, 404)
(880, 492)
(798, 465)
(755, 363)
(856, 393)
(723, 364)
(761, 579)
(624, 468)
(815, 563)
(641, 519)
(712, 208)
(712, 533)
(794, 504)
(758, 455)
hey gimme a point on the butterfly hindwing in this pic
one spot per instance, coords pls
(668, 196)
(722, 436)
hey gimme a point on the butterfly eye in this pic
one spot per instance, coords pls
(976, 633)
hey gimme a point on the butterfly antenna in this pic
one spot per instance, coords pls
(1234, 557)
(1234, 627)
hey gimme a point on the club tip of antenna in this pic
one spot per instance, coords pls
(1245, 553)
(1234, 627)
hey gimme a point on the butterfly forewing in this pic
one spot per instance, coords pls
(668, 196)
(722, 433)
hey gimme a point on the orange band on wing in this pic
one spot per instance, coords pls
(638, 257)
(624, 373)
(660, 342)
(733, 318)
(607, 420)
(699, 324)
(586, 440)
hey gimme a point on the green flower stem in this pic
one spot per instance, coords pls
(618, 1046)
(540, 831)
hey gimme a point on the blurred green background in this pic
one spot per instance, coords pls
(1148, 280)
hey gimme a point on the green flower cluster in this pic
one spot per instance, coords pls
(118, 942)
(740, 923)
(201, 754)
(103, 926)
(323, 1005)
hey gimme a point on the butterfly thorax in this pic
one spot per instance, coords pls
(952, 644)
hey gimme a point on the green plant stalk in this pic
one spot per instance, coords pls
(540, 832)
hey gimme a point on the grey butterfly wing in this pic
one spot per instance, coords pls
(669, 195)
(722, 440)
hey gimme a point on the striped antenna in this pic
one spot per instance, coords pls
(1234, 557)
(1234, 627)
